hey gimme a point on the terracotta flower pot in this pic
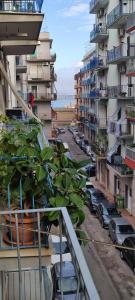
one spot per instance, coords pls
(26, 225)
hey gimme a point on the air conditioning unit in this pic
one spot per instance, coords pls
(122, 69)
(121, 32)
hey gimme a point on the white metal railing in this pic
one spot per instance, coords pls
(130, 153)
(84, 278)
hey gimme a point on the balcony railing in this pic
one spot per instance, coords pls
(99, 93)
(98, 33)
(131, 23)
(39, 96)
(122, 170)
(121, 91)
(82, 107)
(118, 17)
(120, 54)
(130, 152)
(120, 130)
(95, 5)
(23, 6)
(18, 283)
(130, 112)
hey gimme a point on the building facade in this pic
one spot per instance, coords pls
(113, 95)
(20, 25)
(41, 79)
(63, 116)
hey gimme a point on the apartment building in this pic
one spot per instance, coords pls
(78, 90)
(113, 95)
(20, 23)
(40, 80)
(116, 46)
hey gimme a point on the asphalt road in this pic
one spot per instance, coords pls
(112, 276)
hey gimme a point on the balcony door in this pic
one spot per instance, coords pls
(34, 90)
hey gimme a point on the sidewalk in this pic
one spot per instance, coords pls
(125, 214)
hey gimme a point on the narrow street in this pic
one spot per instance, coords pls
(112, 276)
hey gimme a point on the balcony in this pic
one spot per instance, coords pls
(99, 93)
(120, 54)
(122, 91)
(119, 16)
(27, 250)
(130, 113)
(130, 156)
(122, 131)
(26, 271)
(96, 5)
(99, 33)
(39, 78)
(131, 23)
(20, 23)
(21, 67)
(82, 107)
(101, 64)
(121, 170)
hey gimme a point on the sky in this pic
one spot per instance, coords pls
(69, 24)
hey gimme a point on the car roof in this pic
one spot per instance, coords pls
(67, 269)
(94, 190)
(121, 221)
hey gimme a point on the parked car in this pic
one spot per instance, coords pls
(57, 249)
(95, 196)
(105, 212)
(69, 282)
(127, 254)
(61, 130)
(119, 230)
(89, 186)
(84, 145)
(77, 139)
(91, 170)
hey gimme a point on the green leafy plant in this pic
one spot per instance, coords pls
(43, 173)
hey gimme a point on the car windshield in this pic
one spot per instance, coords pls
(89, 186)
(98, 194)
(126, 229)
(68, 284)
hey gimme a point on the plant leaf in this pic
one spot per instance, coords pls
(77, 200)
(47, 153)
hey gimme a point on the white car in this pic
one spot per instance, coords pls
(55, 257)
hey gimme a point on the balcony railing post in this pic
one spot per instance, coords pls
(61, 272)
(19, 258)
(39, 254)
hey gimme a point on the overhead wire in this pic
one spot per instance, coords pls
(103, 243)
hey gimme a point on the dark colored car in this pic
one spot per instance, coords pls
(68, 280)
(91, 170)
(95, 196)
(105, 212)
(127, 254)
(84, 145)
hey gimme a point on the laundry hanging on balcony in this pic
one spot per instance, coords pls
(112, 151)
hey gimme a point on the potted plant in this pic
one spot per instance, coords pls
(24, 165)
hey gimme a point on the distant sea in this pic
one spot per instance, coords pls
(63, 102)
